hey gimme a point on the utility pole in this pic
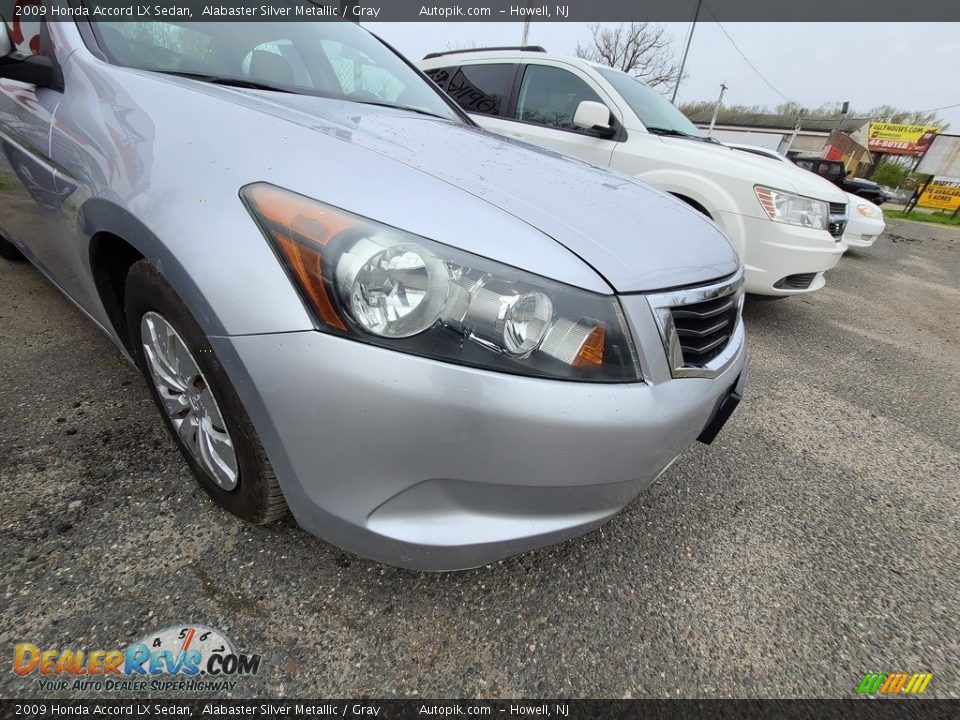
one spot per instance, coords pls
(526, 27)
(843, 116)
(347, 10)
(686, 49)
(796, 130)
(716, 109)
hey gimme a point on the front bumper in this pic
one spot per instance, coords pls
(773, 251)
(434, 466)
(862, 232)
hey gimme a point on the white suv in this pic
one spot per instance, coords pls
(787, 223)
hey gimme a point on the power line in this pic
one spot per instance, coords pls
(745, 58)
(945, 107)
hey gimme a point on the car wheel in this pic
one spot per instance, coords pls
(8, 250)
(199, 405)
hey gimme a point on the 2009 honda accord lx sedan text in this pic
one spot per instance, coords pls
(436, 346)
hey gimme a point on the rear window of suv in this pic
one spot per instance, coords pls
(477, 88)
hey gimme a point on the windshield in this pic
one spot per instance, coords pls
(653, 109)
(330, 59)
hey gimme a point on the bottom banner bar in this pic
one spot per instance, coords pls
(559, 709)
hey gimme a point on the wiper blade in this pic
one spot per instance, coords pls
(229, 81)
(408, 108)
(672, 133)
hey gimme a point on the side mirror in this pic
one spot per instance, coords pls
(592, 115)
(31, 69)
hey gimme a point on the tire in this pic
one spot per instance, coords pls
(9, 251)
(152, 304)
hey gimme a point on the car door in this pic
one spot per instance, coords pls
(29, 199)
(543, 112)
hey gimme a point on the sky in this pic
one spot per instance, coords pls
(914, 66)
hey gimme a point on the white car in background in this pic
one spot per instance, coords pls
(786, 223)
(865, 220)
(865, 225)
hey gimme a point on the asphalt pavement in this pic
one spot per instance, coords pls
(815, 541)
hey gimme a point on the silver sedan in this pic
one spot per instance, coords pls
(434, 345)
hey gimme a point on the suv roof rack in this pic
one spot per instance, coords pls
(524, 48)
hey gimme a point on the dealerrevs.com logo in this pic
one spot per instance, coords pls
(182, 657)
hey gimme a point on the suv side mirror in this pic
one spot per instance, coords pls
(32, 69)
(592, 115)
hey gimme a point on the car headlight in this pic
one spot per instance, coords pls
(377, 284)
(786, 207)
(869, 211)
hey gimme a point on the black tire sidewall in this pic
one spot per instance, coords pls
(146, 290)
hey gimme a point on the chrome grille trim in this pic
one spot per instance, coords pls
(838, 220)
(669, 307)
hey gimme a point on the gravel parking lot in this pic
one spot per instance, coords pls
(816, 540)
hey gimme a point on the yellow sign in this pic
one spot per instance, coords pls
(941, 194)
(899, 139)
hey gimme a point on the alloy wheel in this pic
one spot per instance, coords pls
(188, 400)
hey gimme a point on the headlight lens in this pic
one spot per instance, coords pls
(377, 284)
(391, 291)
(869, 211)
(786, 207)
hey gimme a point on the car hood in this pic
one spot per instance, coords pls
(755, 169)
(636, 237)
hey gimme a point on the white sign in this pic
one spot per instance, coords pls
(942, 157)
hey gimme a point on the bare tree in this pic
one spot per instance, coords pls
(462, 45)
(640, 49)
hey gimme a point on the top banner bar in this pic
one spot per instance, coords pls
(861, 11)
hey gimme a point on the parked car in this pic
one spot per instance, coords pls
(786, 224)
(865, 222)
(835, 172)
(435, 345)
(896, 195)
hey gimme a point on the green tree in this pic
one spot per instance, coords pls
(888, 113)
(891, 174)
(882, 113)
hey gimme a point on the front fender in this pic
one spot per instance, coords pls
(709, 194)
(225, 297)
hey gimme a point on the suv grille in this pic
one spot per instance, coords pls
(700, 327)
(838, 220)
(705, 328)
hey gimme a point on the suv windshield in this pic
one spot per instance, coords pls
(654, 110)
(329, 59)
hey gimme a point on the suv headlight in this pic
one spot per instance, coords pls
(794, 209)
(374, 283)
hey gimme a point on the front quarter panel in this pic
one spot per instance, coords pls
(157, 179)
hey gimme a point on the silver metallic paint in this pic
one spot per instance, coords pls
(408, 460)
